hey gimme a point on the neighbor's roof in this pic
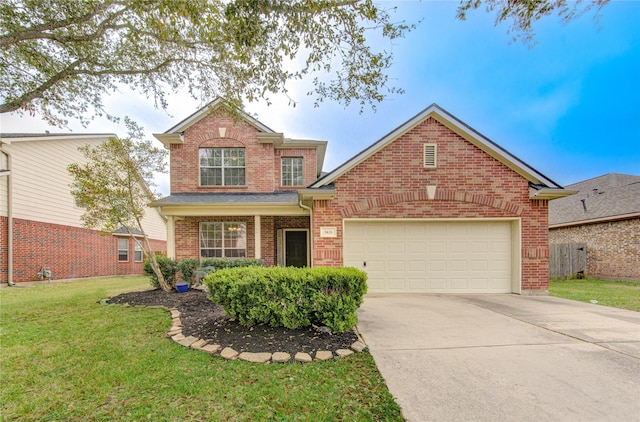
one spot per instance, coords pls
(8, 138)
(537, 179)
(125, 232)
(612, 196)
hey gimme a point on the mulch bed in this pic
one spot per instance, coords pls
(206, 320)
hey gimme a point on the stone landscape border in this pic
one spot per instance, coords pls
(175, 334)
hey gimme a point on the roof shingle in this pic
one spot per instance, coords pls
(277, 197)
(609, 196)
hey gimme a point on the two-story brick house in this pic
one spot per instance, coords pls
(433, 206)
(234, 189)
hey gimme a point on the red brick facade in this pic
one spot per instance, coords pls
(70, 252)
(262, 159)
(470, 184)
(390, 183)
(187, 234)
(263, 175)
(4, 250)
(187, 230)
(613, 247)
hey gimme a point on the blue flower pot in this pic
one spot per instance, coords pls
(182, 287)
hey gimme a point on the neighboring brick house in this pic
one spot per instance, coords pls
(433, 206)
(604, 215)
(40, 221)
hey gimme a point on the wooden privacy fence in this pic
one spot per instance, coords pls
(567, 260)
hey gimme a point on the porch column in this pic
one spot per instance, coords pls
(258, 236)
(171, 237)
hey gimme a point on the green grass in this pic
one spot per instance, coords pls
(619, 294)
(65, 357)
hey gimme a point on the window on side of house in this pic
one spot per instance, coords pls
(227, 240)
(123, 250)
(292, 171)
(138, 250)
(222, 167)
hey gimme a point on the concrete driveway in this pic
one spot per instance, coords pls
(505, 357)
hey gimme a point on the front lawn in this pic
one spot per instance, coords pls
(65, 357)
(619, 294)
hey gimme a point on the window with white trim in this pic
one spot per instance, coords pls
(222, 166)
(227, 240)
(430, 155)
(138, 250)
(292, 171)
(123, 250)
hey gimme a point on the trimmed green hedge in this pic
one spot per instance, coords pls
(220, 263)
(290, 297)
(188, 267)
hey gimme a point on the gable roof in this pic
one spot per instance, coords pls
(542, 186)
(175, 135)
(612, 196)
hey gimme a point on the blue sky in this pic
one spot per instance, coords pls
(568, 106)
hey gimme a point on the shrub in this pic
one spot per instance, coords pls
(220, 263)
(187, 267)
(209, 265)
(290, 297)
(337, 295)
(168, 268)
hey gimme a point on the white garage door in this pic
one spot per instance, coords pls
(419, 256)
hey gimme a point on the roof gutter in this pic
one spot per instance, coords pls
(7, 173)
(595, 220)
(316, 194)
(230, 209)
(538, 192)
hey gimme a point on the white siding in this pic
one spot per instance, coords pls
(154, 224)
(41, 182)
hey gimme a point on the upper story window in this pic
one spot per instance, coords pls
(222, 167)
(292, 171)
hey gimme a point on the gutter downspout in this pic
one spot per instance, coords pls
(304, 207)
(9, 222)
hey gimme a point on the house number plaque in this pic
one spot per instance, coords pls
(328, 232)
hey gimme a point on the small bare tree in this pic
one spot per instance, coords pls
(115, 184)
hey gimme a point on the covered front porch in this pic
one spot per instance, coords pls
(275, 227)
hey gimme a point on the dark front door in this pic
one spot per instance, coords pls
(295, 248)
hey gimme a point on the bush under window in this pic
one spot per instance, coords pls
(290, 297)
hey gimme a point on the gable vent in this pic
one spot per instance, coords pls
(430, 156)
